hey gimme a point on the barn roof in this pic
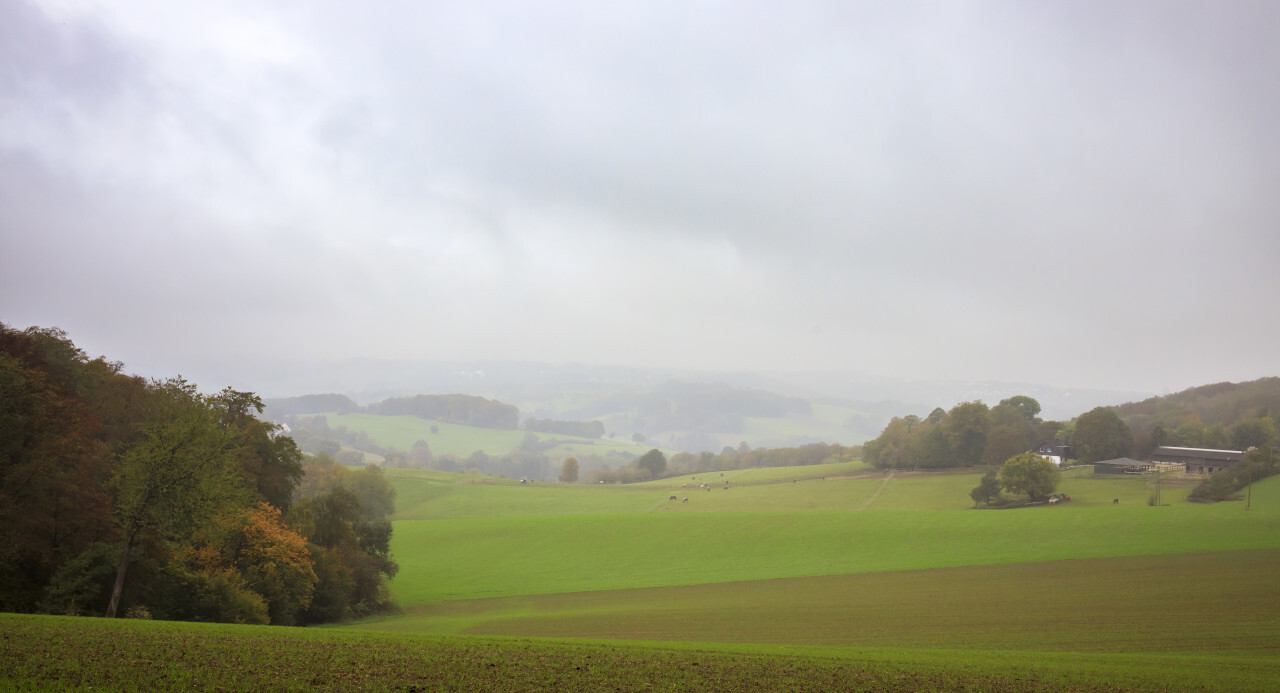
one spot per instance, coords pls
(1124, 462)
(1196, 453)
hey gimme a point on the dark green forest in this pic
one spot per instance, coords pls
(460, 409)
(148, 498)
(468, 410)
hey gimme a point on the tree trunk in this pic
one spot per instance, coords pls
(120, 571)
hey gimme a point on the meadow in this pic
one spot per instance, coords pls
(786, 530)
(832, 577)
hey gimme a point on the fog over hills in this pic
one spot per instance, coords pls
(938, 195)
(560, 390)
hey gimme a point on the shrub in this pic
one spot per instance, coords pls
(988, 490)
(138, 611)
(1227, 483)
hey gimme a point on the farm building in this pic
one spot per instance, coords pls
(1054, 451)
(1197, 460)
(1122, 465)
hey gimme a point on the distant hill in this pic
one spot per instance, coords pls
(1223, 404)
(553, 391)
(688, 410)
(308, 404)
(1235, 416)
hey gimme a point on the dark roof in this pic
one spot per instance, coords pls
(1124, 462)
(1172, 454)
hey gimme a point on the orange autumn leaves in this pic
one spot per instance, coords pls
(268, 557)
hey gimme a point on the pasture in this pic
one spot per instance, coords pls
(690, 543)
(1088, 605)
(855, 560)
(833, 577)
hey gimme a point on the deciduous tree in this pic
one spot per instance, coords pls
(1028, 407)
(1100, 435)
(1004, 442)
(569, 470)
(272, 559)
(966, 429)
(1255, 433)
(653, 463)
(988, 489)
(1031, 474)
(180, 473)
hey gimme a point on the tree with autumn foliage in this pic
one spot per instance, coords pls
(117, 493)
(272, 559)
(569, 470)
(180, 474)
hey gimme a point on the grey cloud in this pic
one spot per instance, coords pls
(903, 188)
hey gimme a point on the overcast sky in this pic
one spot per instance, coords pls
(1072, 193)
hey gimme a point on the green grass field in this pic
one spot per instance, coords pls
(833, 577)
(480, 557)
(1088, 605)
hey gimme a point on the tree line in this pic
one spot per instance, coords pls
(460, 409)
(969, 434)
(655, 464)
(972, 434)
(120, 495)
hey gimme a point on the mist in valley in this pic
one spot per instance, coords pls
(886, 208)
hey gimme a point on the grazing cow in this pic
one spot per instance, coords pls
(673, 498)
(1115, 502)
(686, 500)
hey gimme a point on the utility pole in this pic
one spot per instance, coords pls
(1157, 484)
(1249, 495)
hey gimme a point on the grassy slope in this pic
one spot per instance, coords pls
(486, 557)
(1093, 605)
(543, 540)
(905, 590)
(889, 569)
